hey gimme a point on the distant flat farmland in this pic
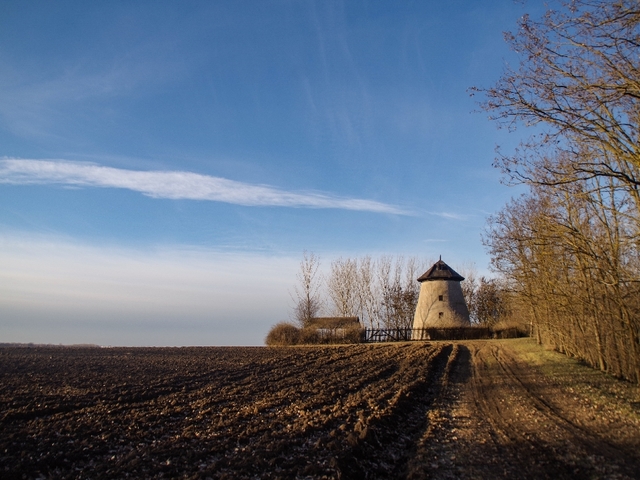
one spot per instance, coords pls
(414, 410)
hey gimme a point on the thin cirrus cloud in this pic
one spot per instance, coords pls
(175, 185)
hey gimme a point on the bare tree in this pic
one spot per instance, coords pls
(398, 290)
(469, 286)
(579, 82)
(342, 287)
(366, 290)
(384, 269)
(308, 302)
(412, 269)
(490, 303)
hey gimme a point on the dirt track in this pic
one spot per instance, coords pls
(501, 418)
(439, 410)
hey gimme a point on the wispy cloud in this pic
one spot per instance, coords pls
(176, 185)
(45, 104)
(450, 215)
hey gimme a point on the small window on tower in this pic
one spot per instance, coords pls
(440, 314)
(441, 297)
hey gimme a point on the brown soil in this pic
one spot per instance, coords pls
(479, 409)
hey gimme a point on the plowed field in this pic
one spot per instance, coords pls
(478, 409)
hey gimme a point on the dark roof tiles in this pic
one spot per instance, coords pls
(440, 271)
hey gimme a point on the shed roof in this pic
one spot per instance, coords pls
(333, 322)
(440, 271)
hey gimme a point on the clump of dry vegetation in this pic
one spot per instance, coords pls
(283, 333)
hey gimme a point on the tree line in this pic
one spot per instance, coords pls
(568, 249)
(383, 292)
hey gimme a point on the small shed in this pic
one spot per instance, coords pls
(334, 327)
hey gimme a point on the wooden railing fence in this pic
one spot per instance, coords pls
(452, 333)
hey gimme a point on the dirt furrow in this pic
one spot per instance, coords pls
(239, 413)
(390, 439)
(413, 410)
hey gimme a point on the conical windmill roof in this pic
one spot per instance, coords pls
(440, 271)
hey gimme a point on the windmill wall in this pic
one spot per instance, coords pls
(441, 304)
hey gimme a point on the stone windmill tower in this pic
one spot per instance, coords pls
(440, 303)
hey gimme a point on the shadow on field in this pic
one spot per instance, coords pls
(392, 440)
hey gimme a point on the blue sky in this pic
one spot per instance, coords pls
(163, 165)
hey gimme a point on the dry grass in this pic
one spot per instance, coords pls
(573, 375)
